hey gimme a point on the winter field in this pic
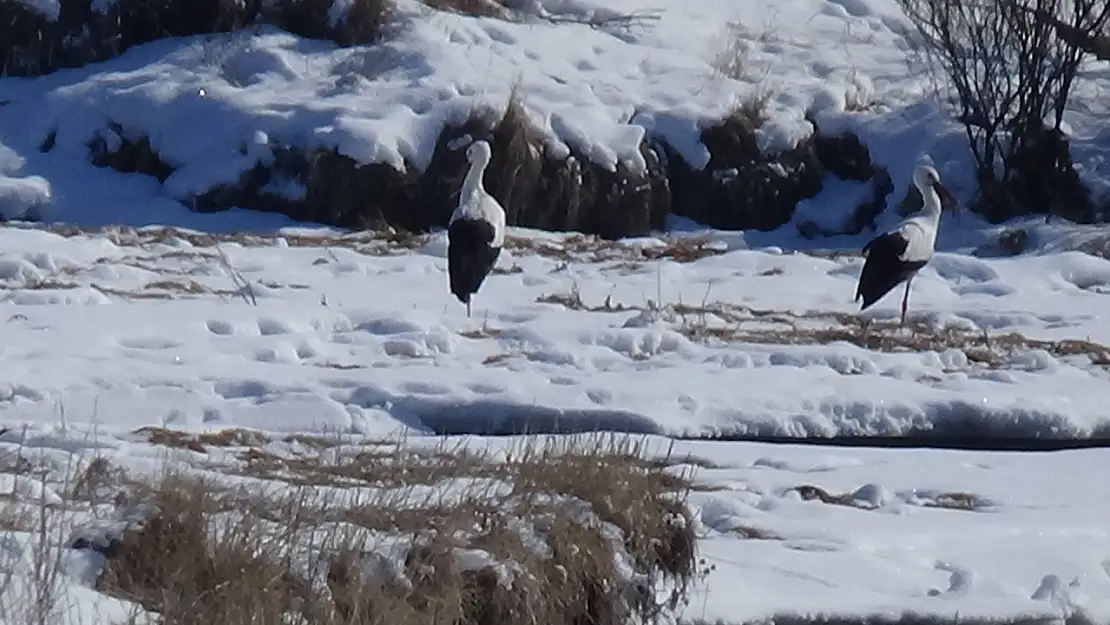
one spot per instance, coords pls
(298, 408)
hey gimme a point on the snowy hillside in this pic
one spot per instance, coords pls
(595, 78)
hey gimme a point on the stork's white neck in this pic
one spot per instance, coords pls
(473, 181)
(932, 207)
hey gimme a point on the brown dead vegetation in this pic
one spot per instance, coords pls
(479, 8)
(946, 501)
(734, 324)
(370, 242)
(589, 248)
(230, 437)
(539, 541)
(157, 289)
(572, 247)
(199, 442)
(754, 533)
(14, 517)
(516, 11)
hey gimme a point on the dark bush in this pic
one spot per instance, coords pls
(741, 187)
(32, 44)
(542, 190)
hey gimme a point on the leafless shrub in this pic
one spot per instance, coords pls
(731, 59)
(31, 576)
(1009, 70)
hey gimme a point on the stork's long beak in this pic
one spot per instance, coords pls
(947, 200)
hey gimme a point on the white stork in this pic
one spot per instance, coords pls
(897, 255)
(476, 231)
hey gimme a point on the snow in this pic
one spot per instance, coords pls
(305, 329)
(1035, 547)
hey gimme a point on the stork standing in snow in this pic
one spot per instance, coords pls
(897, 255)
(476, 231)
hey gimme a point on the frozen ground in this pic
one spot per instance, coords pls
(785, 530)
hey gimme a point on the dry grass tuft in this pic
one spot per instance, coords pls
(731, 59)
(956, 501)
(754, 533)
(98, 482)
(233, 437)
(483, 332)
(190, 567)
(808, 492)
(594, 249)
(584, 248)
(753, 110)
(15, 517)
(576, 247)
(184, 287)
(399, 535)
(946, 501)
(367, 242)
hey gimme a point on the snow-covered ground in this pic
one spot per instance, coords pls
(105, 332)
(122, 334)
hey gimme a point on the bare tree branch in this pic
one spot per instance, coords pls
(1085, 38)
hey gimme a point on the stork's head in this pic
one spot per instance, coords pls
(926, 178)
(478, 153)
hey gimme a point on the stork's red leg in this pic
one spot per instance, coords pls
(906, 300)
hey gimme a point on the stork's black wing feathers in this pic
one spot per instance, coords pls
(470, 257)
(884, 268)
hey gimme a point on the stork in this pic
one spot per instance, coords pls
(476, 231)
(897, 255)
